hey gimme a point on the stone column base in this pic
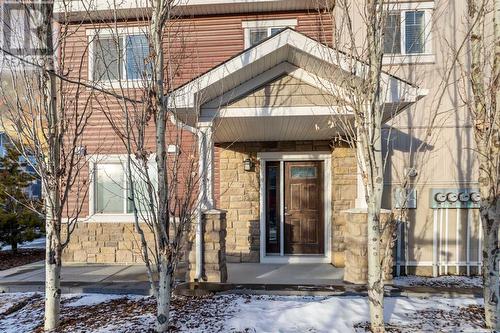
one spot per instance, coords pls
(356, 243)
(214, 248)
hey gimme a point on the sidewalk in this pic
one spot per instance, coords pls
(90, 278)
(132, 279)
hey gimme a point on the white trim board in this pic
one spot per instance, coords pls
(269, 23)
(295, 156)
(192, 95)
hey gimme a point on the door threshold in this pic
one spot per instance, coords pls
(296, 259)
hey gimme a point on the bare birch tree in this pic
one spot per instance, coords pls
(47, 112)
(484, 76)
(364, 100)
(359, 114)
(162, 185)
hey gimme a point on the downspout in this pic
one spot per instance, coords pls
(203, 201)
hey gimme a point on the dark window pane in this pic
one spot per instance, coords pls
(392, 34)
(299, 172)
(414, 32)
(256, 35)
(272, 207)
(137, 55)
(275, 31)
(108, 61)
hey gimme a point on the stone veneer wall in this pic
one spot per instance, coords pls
(110, 243)
(356, 254)
(105, 243)
(239, 193)
(214, 250)
(344, 187)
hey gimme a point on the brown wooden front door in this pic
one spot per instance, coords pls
(304, 225)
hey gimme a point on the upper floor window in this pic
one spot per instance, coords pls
(256, 31)
(121, 56)
(407, 31)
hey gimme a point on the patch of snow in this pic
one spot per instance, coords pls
(449, 281)
(244, 313)
(38, 243)
(74, 300)
(9, 300)
(331, 314)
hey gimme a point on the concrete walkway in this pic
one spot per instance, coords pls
(121, 279)
(282, 279)
(284, 274)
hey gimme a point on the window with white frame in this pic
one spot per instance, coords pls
(112, 191)
(407, 30)
(119, 56)
(256, 31)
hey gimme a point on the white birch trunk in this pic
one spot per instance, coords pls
(491, 259)
(163, 301)
(375, 256)
(53, 224)
(52, 281)
(486, 129)
(161, 12)
(371, 139)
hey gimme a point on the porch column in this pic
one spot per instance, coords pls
(205, 195)
(206, 170)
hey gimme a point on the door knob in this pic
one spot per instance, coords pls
(286, 212)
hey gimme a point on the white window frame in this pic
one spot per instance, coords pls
(406, 58)
(266, 24)
(115, 33)
(264, 157)
(109, 217)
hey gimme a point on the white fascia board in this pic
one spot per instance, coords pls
(329, 55)
(90, 6)
(285, 111)
(185, 96)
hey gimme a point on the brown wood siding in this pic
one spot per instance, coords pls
(198, 44)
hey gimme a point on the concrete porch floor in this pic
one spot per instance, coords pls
(240, 273)
(291, 274)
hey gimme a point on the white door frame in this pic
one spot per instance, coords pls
(326, 157)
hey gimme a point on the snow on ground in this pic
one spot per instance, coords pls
(38, 243)
(74, 300)
(242, 313)
(449, 281)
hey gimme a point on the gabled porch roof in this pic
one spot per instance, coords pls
(208, 98)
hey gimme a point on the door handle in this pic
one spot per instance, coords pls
(286, 213)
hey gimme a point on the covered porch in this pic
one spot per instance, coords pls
(265, 120)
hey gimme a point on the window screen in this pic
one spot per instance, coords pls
(137, 49)
(257, 35)
(108, 61)
(414, 32)
(392, 34)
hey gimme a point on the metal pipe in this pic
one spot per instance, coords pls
(457, 243)
(446, 242)
(435, 245)
(468, 242)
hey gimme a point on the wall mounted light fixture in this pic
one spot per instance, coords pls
(248, 164)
